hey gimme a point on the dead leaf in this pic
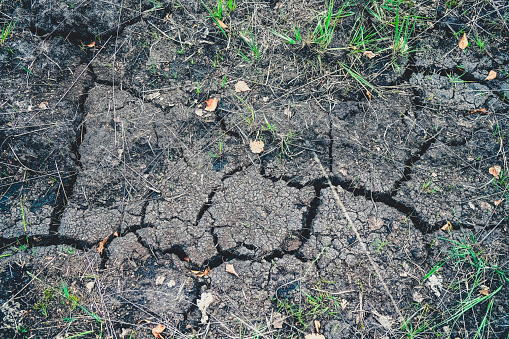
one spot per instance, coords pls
(485, 290)
(160, 280)
(498, 202)
(241, 86)
(231, 269)
(90, 286)
(369, 95)
(278, 320)
(115, 234)
(200, 273)
(100, 248)
(43, 105)
(222, 24)
(417, 297)
(256, 146)
(384, 320)
(156, 331)
(495, 171)
(314, 336)
(479, 110)
(317, 326)
(435, 283)
(92, 44)
(463, 42)
(491, 75)
(447, 227)
(186, 259)
(369, 54)
(211, 104)
(204, 302)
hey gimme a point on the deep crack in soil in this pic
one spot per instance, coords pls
(126, 204)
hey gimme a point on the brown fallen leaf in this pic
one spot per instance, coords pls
(463, 41)
(495, 171)
(186, 259)
(43, 105)
(100, 248)
(369, 54)
(231, 269)
(256, 146)
(447, 227)
(314, 336)
(222, 24)
(92, 44)
(491, 75)
(211, 104)
(368, 95)
(498, 202)
(479, 110)
(241, 86)
(485, 290)
(200, 273)
(115, 234)
(156, 331)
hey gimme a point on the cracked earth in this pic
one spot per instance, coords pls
(113, 174)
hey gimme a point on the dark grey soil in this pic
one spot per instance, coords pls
(123, 202)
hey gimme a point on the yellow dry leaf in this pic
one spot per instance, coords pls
(200, 273)
(156, 331)
(100, 248)
(485, 290)
(491, 75)
(231, 269)
(314, 336)
(222, 24)
(495, 171)
(498, 202)
(463, 41)
(241, 86)
(369, 54)
(211, 104)
(447, 227)
(256, 146)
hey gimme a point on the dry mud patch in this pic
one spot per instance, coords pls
(124, 202)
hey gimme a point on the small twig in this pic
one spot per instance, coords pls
(358, 236)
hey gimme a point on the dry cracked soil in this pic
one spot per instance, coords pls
(378, 207)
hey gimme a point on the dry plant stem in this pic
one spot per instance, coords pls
(358, 236)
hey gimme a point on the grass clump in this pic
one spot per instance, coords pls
(7, 30)
(323, 33)
(470, 293)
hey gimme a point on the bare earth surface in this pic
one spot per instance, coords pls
(124, 203)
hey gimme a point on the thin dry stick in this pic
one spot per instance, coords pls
(358, 236)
